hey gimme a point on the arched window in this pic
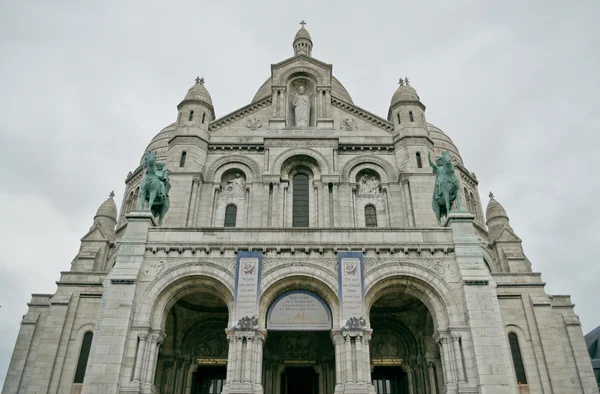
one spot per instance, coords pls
(230, 215)
(191, 116)
(300, 201)
(84, 354)
(515, 350)
(370, 216)
(412, 119)
(399, 121)
(203, 117)
(182, 160)
(419, 163)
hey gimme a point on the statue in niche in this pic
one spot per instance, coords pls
(301, 107)
(236, 187)
(368, 186)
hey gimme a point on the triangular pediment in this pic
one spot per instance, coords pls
(94, 234)
(507, 235)
(301, 64)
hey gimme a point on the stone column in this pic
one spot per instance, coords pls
(336, 205)
(139, 357)
(230, 358)
(187, 388)
(408, 201)
(431, 375)
(359, 360)
(367, 354)
(338, 343)
(411, 382)
(249, 358)
(458, 357)
(276, 209)
(155, 343)
(443, 344)
(239, 341)
(327, 103)
(348, 358)
(259, 362)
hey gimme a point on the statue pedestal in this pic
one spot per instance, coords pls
(324, 123)
(458, 216)
(136, 216)
(276, 123)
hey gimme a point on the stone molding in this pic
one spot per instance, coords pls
(391, 173)
(198, 102)
(346, 148)
(284, 77)
(239, 114)
(188, 140)
(253, 165)
(362, 114)
(321, 160)
(407, 102)
(321, 143)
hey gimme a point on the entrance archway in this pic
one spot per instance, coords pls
(404, 355)
(193, 356)
(299, 357)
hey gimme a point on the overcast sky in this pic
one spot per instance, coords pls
(84, 86)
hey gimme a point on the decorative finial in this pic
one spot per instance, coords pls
(406, 81)
(199, 80)
(401, 82)
(111, 194)
(491, 195)
(302, 23)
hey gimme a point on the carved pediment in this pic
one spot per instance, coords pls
(507, 235)
(95, 234)
(319, 70)
(252, 117)
(358, 118)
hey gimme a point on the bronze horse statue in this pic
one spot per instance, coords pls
(447, 187)
(154, 189)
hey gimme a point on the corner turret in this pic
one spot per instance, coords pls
(411, 137)
(187, 147)
(503, 240)
(106, 216)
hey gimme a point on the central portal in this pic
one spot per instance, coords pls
(300, 380)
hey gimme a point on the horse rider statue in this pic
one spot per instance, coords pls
(154, 189)
(447, 186)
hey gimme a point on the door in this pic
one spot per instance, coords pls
(209, 380)
(299, 381)
(390, 380)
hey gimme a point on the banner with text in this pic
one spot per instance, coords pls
(299, 310)
(247, 290)
(352, 290)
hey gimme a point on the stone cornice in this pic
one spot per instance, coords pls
(238, 114)
(400, 103)
(362, 114)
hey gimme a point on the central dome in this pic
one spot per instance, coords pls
(337, 89)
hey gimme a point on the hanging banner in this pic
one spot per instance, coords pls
(352, 290)
(247, 290)
(299, 310)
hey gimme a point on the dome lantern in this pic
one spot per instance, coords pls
(302, 42)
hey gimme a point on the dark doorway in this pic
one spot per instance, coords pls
(299, 381)
(390, 380)
(208, 380)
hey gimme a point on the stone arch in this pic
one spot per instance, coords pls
(389, 172)
(279, 284)
(321, 160)
(517, 330)
(423, 285)
(285, 76)
(177, 282)
(251, 164)
(492, 264)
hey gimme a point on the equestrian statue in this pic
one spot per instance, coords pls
(447, 187)
(154, 189)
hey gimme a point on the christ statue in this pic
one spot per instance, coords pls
(301, 108)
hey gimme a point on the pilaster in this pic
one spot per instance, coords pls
(491, 359)
(109, 346)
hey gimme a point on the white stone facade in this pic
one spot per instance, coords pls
(441, 301)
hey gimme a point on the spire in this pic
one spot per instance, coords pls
(108, 208)
(302, 41)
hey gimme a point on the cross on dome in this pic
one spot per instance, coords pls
(199, 80)
(302, 23)
(111, 194)
(406, 81)
(491, 195)
(401, 82)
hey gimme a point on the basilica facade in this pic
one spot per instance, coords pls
(295, 249)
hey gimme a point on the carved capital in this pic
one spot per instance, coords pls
(455, 337)
(143, 336)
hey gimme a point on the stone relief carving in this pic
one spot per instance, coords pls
(308, 133)
(348, 124)
(369, 186)
(445, 269)
(212, 344)
(298, 347)
(294, 143)
(235, 187)
(154, 269)
(385, 346)
(270, 265)
(254, 124)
